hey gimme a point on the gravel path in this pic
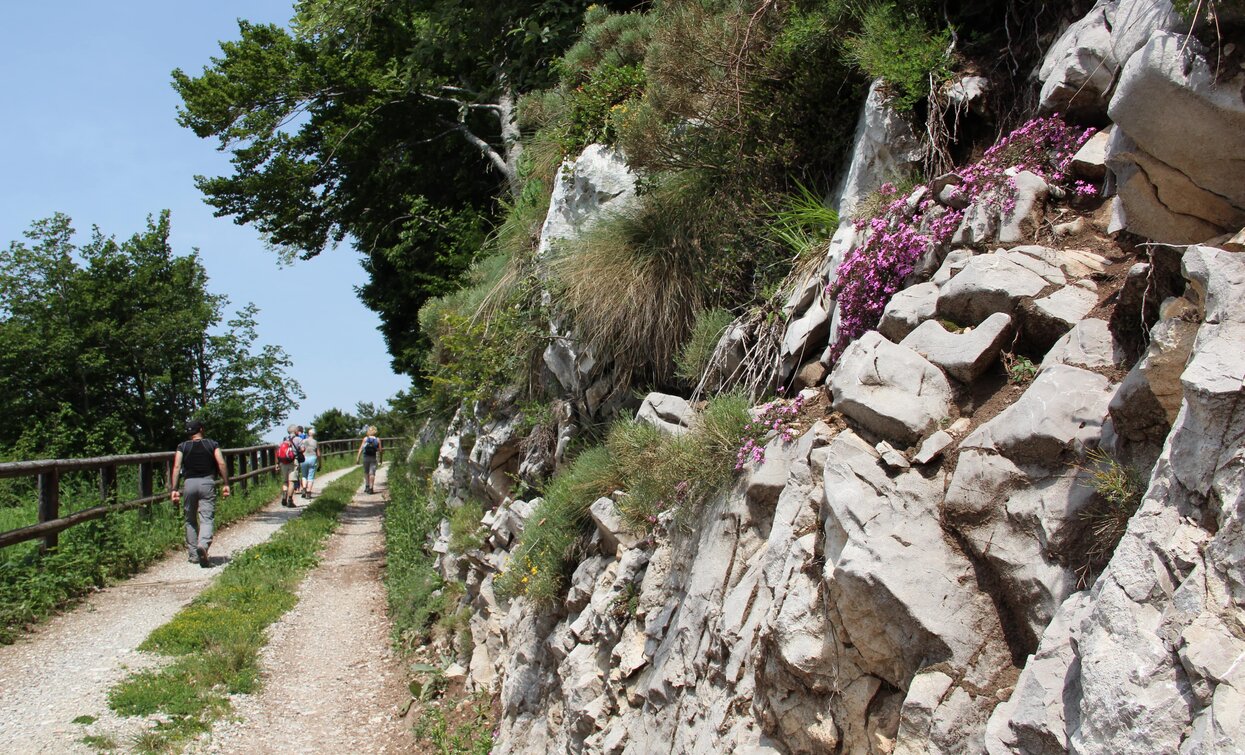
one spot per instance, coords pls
(65, 668)
(332, 683)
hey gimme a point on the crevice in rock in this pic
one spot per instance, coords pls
(1021, 642)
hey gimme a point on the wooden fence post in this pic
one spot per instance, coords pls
(49, 504)
(145, 487)
(108, 483)
(241, 478)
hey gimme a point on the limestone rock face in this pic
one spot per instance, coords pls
(1080, 67)
(1179, 137)
(963, 356)
(988, 284)
(1014, 499)
(907, 309)
(597, 182)
(882, 539)
(669, 413)
(1088, 345)
(884, 149)
(890, 389)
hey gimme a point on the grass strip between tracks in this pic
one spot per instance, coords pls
(217, 638)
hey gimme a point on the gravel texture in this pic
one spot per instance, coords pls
(65, 667)
(332, 683)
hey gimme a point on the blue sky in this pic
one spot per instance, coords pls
(89, 130)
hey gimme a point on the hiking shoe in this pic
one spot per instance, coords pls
(204, 561)
(193, 558)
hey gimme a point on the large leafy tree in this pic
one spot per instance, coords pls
(334, 424)
(110, 346)
(390, 124)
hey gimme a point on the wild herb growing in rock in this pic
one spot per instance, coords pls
(1020, 369)
(1120, 489)
(912, 226)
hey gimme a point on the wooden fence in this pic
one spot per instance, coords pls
(244, 465)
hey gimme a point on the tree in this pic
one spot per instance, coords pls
(109, 347)
(391, 124)
(334, 424)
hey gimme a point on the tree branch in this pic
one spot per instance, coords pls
(493, 155)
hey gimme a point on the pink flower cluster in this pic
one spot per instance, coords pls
(778, 417)
(907, 230)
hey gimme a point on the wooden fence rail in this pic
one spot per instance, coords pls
(244, 465)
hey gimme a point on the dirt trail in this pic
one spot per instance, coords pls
(332, 684)
(64, 668)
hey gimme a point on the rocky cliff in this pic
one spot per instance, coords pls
(929, 566)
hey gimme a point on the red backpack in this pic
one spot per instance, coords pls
(286, 452)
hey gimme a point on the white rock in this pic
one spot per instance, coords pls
(615, 535)
(933, 447)
(889, 389)
(1184, 136)
(907, 309)
(989, 283)
(670, 413)
(1088, 345)
(596, 183)
(883, 149)
(963, 356)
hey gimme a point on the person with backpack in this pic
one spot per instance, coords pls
(370, 451)
(197, 462)
(288, 453)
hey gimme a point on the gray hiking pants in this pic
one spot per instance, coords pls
(199, 507)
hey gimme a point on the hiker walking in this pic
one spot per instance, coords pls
(370, 451)
(311, 461)
(197, 461)
(289, 455)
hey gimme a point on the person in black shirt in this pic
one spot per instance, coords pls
(197, 461)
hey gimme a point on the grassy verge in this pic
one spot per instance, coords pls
(465, 728)
(216, 639)
(422, 604)
(92, 554)
(414, 587)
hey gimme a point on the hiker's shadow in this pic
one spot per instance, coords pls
(215, 562)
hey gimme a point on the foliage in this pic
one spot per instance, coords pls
(389, 124)
(597, 76)
(898, 237)
(896, 46)
(414, 587)
(465, 532)
(633, 283)
(470, 734)
(693, 358)
(217, 638)
(667, 479)
(804, 223)
(1120, 490)
(334, 424)
(670, 478)
(537, 568)
(1020, 370)
(109, 347)
(95, 553)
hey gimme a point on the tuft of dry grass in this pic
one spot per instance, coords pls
(634, 282)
